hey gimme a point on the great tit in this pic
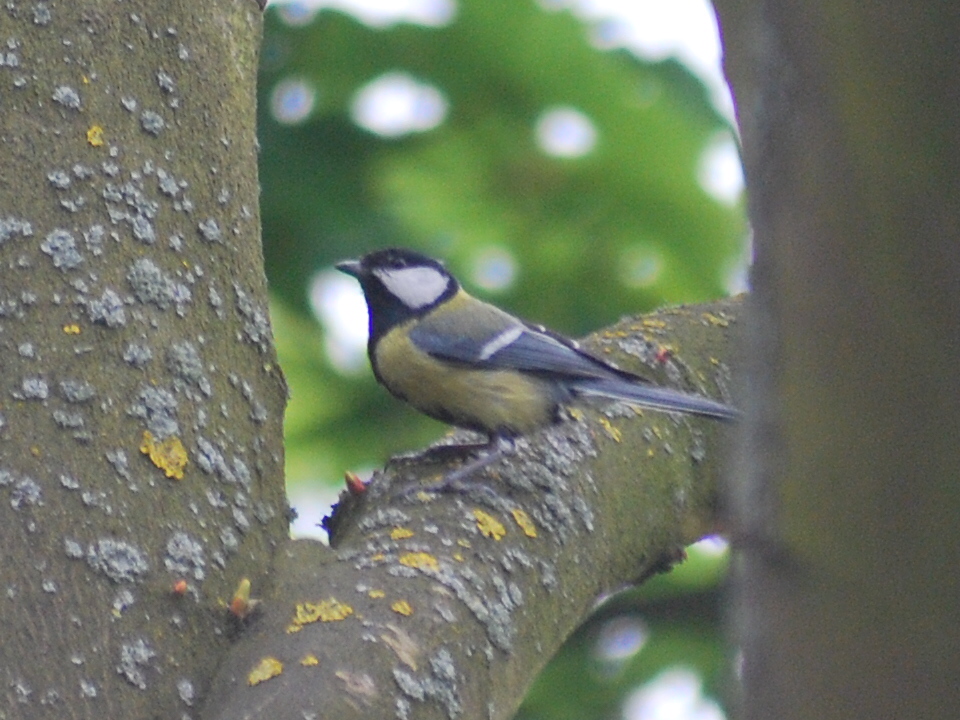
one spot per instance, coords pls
(467, 363)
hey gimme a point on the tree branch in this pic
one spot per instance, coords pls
(448, 606)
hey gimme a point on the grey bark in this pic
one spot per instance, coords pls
(849, 506)
(132, 301)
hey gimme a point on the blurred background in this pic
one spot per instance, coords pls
(571, 160)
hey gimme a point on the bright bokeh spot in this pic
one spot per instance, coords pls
(565, 132)
(736, 276)
(375, 13)
(674, 694)
(720, 173)
(640, 266)
(712, 546)
(397, 104)
(493, 269)
(619, 640)
(337, 302)
(311, 501)
(652, 29)
(657, 29)
(292, 101)
(295, 13)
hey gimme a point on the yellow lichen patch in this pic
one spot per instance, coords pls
(95, 136)
(612, 432)
(420, 561)
(309, 660)
(268, 667)
(458, 556)
(71, 329)
(651, 323)
(324, 611)
(525, 523)
(402, 607)
(714, 320)
(169, 455)
(400, 533)
(377, 594)
(464, 543)
(489, 525)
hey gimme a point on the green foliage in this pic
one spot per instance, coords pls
(580, 231)
(679, 614)
(576, 228)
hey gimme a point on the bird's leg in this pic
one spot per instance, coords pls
(498, 447)
(440, 453)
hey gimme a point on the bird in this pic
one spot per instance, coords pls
(470, 364)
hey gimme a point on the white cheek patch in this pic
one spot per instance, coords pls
(415, 287)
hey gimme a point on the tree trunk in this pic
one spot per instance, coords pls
(141, 404)
(848, 504)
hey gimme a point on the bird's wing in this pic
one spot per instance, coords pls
(507, 343)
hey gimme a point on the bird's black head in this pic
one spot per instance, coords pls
(399, 284)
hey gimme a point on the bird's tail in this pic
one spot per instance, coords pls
(656, 398)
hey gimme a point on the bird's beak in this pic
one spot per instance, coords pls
(350, 267)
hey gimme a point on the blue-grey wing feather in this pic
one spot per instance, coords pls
(537, 352)
(523, 348)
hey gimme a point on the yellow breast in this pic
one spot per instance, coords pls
(488, 401)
